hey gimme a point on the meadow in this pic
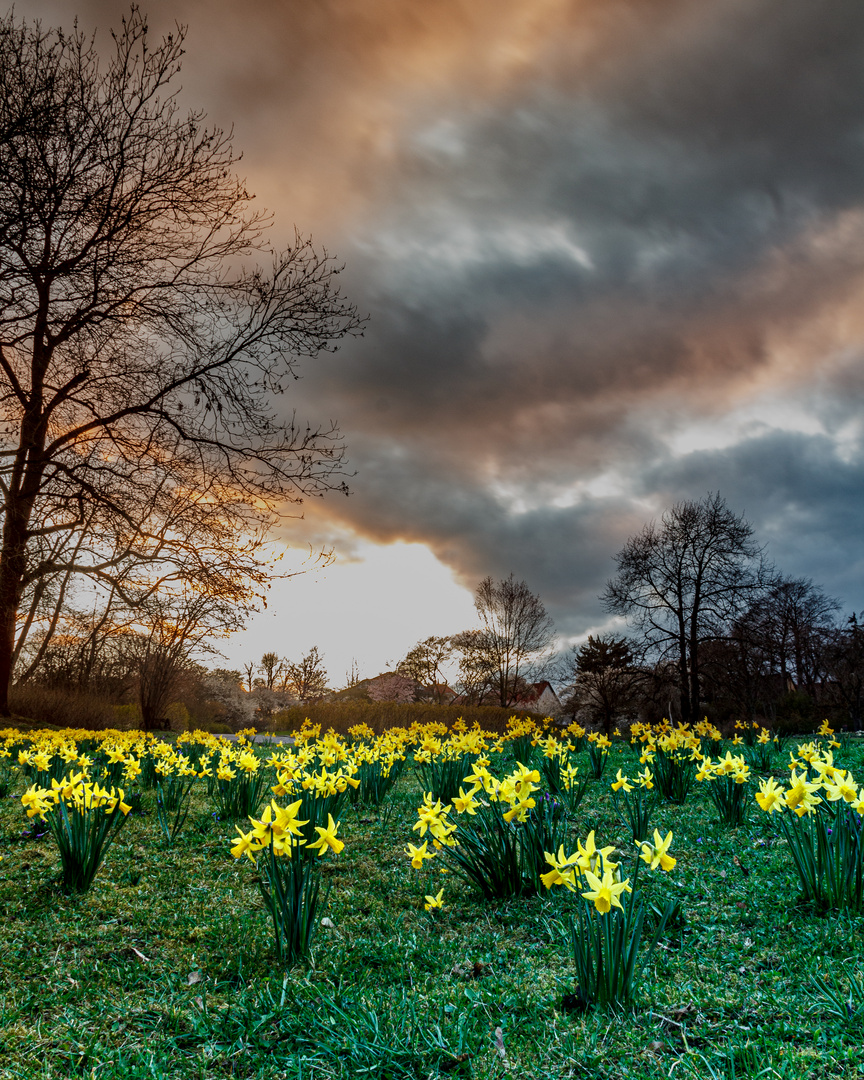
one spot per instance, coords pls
(169, 964)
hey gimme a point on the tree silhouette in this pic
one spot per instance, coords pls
(141, 343)
(683, 581)
(516, 629)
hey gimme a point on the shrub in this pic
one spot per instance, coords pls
(62, 708)
(381, 716)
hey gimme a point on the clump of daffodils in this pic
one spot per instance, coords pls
(290, 880)
(441, 763)
(814, 782)
(595, 867)
(280, 831)
(493, 832)
(76, 793)
(821, 814)
(635, 800)
(598, 753)
(605, 933)
(83, 818)
(727, 779)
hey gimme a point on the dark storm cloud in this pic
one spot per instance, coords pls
(565, 553)
(580, 229)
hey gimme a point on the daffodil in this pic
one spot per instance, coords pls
(286, 818)
(436, 901)
(466, 804)
(800, 797)
(327, 838)
(621, 782)
(42, 761)
(590, 856)
(519, 810)
(645, 779)
(37, 801)
(656, 854)
(563, 870)
(418, 854)
(605, 891)
(243, 846)
(843, 788)
(770, 796)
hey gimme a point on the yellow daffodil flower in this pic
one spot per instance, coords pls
(418, 854)
(327, 837)
(622, 782)
(799, 797)
(770, 796)
(656, 854)
(563, 870)
(466, 804)
(605, 891)
(590, 856)
(436, 901)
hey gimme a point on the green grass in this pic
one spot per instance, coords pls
(166, 968)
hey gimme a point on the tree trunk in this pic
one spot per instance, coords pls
(13, 564)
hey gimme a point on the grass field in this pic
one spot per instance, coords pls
(166, 967)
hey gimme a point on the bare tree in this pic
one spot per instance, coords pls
(308, 678)
(271, 667)
(794, 622)
(425, 665)
(516, 631)
(736, 675)
(683, 581)
(138, 354)
(845, 668)
(477, 675)
(248, 676)
(170, 630)
(352, 675)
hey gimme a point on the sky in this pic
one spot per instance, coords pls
(612, 253)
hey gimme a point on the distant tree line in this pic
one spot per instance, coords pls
(716, 630)
(711, 628)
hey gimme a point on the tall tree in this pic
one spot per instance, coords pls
(477, 676)
(605, 678)
(271, 668)
(425, 665)
(516, 632)
(682, 581)
(159, 653)
(139, 350)
(844, 661)
(308, 678)
(794, 622)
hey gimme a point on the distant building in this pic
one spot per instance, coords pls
(536, 697)
(539, 697)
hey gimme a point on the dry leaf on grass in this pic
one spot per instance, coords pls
(471, 970)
